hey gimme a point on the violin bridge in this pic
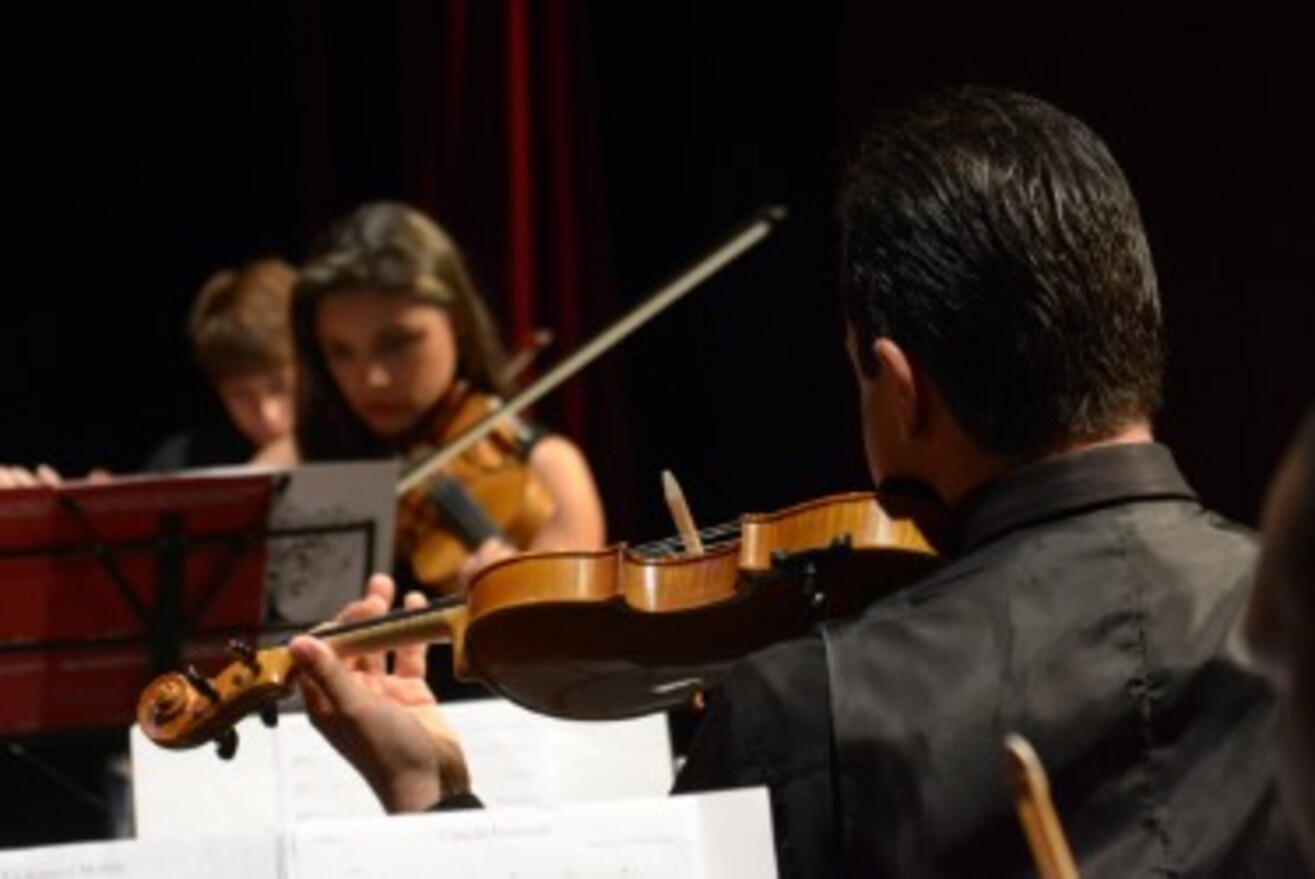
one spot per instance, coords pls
(689, 535)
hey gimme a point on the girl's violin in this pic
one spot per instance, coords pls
(488, 491)
(605, 634)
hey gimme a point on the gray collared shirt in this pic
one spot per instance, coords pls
(1089, 608)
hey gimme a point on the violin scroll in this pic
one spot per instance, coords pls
(187, 709)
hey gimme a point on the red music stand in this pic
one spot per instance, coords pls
(104, 585)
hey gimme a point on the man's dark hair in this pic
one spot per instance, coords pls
(996, 241)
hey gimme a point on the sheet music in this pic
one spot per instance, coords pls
(248, 856)
(290, 774)
(518, 757)
(313, 780)
(724, 835)
(182, 793)
(710, 836)
(310, 577)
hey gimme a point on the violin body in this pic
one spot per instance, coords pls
(613, 633)
(489, 491)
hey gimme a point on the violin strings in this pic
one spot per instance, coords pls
(458, 506)
(665, 545)
(450, 503)
(712, 537)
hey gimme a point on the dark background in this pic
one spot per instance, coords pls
(147, 145)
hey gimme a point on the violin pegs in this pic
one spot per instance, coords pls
(269, 715)
(201, 683)
(246, 653)
(226, 744)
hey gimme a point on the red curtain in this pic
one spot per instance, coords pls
(481, 114)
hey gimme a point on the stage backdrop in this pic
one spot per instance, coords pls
(583, 152)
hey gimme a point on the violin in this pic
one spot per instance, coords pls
(603, 634)
(489, 491)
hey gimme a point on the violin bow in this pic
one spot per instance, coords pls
(1036, 811)
(521, 360)
(761, 224)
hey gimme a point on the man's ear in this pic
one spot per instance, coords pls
(905, 386)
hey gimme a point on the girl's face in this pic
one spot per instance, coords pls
(393, 357)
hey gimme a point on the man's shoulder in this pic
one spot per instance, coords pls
(1176, 533)
(1176, 554)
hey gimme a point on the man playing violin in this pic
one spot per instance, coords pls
(1005, 328)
